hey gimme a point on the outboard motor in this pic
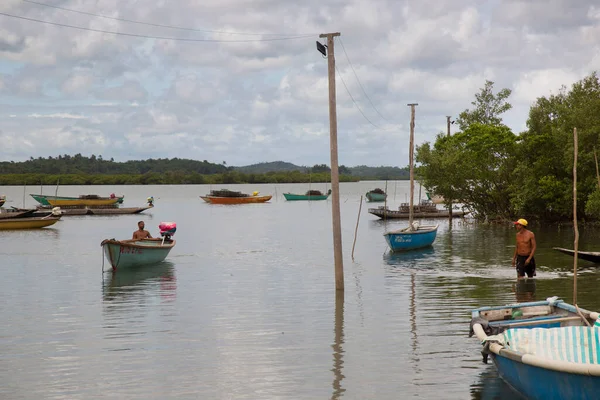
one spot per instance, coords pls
(167, 229)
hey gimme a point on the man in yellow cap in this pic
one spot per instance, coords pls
(525, 249)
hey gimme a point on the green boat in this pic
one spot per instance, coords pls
(43, 199)
(376, 195)
(310, 195)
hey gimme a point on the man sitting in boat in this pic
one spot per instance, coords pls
(141, 233)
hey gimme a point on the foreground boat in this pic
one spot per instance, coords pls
(2, 200)
(376, 195)
(426, 209)
(543, 350)
(122, 254)
(28, 222)
(410, 238)
(311, 195)
(82, 201)
(225, 196)
(591, 256)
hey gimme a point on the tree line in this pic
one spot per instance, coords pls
(502, 175)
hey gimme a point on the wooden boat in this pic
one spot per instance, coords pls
(134, 253)
(544, 349)
(225, 196)
(113, 210)
(413, 236)
(376, 195)
(28, 222)
(425, 210)
(591, 256)
(2, 200)
(83, 200)
(434, 198)
(12, 213)
(310, 196)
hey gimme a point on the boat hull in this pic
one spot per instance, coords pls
(63, 201)
(127, 254)
(27, 223)
(584, 255)
(78, 211)
(375, 197)
(411, 240)
(298, 197)
(236, 200)
(392, 214)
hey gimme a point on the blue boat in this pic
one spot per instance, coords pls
(544, 349)
(413, 237)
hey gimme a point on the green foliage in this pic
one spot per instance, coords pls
(592, 206)
(473, 167)
(488, 107)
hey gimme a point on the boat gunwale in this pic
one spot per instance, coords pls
(129, 243)
(425, 229)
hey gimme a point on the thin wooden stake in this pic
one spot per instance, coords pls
(356, 229)
(576, 244)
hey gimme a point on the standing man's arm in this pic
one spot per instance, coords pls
(533, 247)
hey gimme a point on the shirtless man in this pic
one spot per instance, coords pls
(141, 233)
(523, 258)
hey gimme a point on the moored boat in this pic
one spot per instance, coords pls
(591, 256)
(135, 253)
(28, 222)
(83, 200)
(544, 349)
(225, 196)
(310, 195)
(425, 210)
(376, 195)
(2, 200)
(411, 238)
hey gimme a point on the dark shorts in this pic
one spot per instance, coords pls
(523, 269)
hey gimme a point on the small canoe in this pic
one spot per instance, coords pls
(384, 213)
(591, 256)
(542, 349)
(308, 196)
(376, 195)
(78, 211)
(134, 253)
(83, 200)
(236, 200)
(411, 239)
(28, 223)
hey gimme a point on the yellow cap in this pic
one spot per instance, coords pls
(521, 222)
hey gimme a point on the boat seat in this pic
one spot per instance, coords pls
(578, 344)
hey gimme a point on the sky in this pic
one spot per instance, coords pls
(244, 82)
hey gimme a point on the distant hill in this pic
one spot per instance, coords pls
(275, 166)
(380, 173)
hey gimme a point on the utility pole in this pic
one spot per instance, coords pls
(448, 123)
(335, 179)
(410, 160)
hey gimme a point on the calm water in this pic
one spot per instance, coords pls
(245, 307)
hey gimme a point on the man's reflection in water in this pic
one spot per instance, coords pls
(524, 290)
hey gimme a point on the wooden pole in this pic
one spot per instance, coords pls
(448, 124)
(335, 179)
(597, 173)
(575, 229)
(356, 229)
(410, 161)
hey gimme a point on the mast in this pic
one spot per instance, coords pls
(411, 166)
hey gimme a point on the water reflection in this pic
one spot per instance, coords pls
(491, 387)
(524, 290)
(413, 322)
(338, 350)
(414, 258)
(122, 284)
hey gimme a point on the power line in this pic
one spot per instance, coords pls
(356, 104)
(158, 25)
(154, 37)
(358, 80)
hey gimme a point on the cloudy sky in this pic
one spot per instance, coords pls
(245, 83)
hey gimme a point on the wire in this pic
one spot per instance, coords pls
(154, 37)
(358, 80)
(156, 25)
(349, 94)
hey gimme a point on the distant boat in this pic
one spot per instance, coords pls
(135, 253)
(78, 211)
(424, 210)
(2, 200)
(310, 195)
(376, 195)
(81, 201)
(28, 222)
(413, 236)
(225, 196)
(434, 198)
(584, 255)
